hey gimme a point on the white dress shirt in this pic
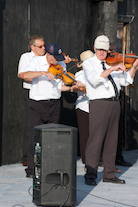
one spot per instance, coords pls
(98, 87)
(42, 88)
(25, 59)
(82, 101)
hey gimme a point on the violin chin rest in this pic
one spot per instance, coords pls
(128, 65)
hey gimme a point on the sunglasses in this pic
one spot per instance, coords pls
(39, 46)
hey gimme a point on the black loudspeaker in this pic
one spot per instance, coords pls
(55, 156)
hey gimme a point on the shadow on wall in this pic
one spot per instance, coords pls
(133, 144)
(2, 6)
(129, 121)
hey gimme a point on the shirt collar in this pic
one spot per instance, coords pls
(99, 61)
(32, 54)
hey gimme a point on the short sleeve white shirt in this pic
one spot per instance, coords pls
(98, 87)
(42, 88)
(82, 101)
(24, 61)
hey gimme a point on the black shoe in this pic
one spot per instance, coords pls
(90, 181)
(123, 163)
(29, 175)
(115, 180)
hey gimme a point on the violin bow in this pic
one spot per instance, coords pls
(131, 56)
(72, 67)
(73, 60)
(124, 44)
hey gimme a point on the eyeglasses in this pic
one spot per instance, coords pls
(39, 46)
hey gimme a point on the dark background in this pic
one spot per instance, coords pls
(73, 24)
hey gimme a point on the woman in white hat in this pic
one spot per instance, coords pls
(82, 107)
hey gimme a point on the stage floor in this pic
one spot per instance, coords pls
(14, 186)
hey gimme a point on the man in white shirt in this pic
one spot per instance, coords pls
(37, 46)
(45, 93)
(82, 109)
(103, 85)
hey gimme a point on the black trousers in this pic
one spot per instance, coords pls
(103, 128)
(83, 126)
(41, 112)
(27, 126)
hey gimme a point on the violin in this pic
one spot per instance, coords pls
(117, 58)
(72, 59)
(67, 77)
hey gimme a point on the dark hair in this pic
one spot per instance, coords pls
(31, 40)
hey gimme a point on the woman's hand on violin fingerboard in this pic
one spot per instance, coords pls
(67, 59)
(49, 75)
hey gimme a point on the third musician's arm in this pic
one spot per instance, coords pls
(32, 74)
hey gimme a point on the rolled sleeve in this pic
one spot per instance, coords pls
(125, 79)
(24, 61)
(129, 79)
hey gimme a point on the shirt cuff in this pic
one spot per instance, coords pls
(129, 79)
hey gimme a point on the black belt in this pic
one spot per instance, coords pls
(51, 100)
(110, 99)
(46, 100)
